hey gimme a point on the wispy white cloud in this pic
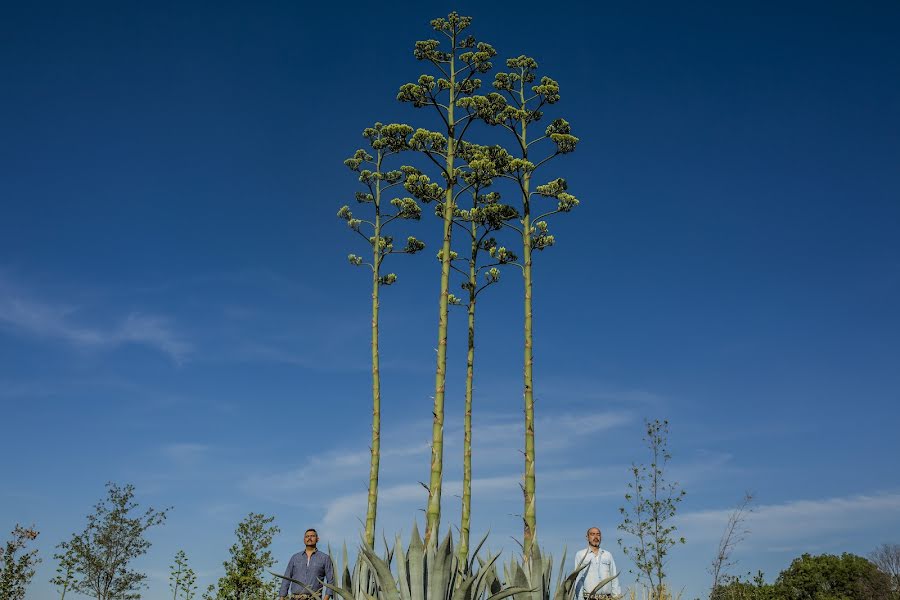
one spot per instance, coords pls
(496, 441)
(327, 469)
(185, 454)
(23, 313)
(799, 523)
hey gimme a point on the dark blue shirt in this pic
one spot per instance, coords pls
(310, 570)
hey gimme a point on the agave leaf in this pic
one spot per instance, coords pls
(477, 550)
(440, 570)
(562, 566)
(464, 590)
(383, 575)
(535, 571)
(602, 583)
(308, 589)
(520, 579)
(341, 591)
(485, 577)
(509, 592)
(568, 587)
(402, 574)
(415, 563)
(346, 581)
(388, 550)
(489, 575)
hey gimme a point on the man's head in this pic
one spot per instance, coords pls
(593, 537)
(310, 538)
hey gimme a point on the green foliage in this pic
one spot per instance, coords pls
(651, 505)
(830, 577)
(734, 588)
(182, 579)
(16, 565)
(823, 577)
(250, 558)
(113, 537)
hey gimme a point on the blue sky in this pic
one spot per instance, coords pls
(176, 310)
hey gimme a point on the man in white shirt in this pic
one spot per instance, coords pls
(600, 566)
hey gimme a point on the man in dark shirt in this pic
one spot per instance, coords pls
(311, 567)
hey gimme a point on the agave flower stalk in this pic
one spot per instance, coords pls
(515, 106)
(458, 66)
(384, 140)
(485, 216)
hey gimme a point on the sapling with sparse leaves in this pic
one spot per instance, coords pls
(384, 141)
(65, 571)
(457, 64)
(517, 104)
(182, 579)
(652, 503)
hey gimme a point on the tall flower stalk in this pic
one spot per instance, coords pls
(458, 67)
(515, 107)
(384, 140)
(485, 216)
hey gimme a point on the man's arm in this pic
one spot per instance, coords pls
(285, 584)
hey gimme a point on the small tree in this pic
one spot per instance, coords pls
(16, 566)
(65, 571)
(887, 558)
(734, 534)
(182, 579)
(245, 571)
(652, 503)
(114, 537)
(385, 140)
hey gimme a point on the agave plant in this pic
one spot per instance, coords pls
(423, 572)
(536, 576)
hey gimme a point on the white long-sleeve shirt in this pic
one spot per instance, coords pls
(601, 566)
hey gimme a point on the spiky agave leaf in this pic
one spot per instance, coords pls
(402, 570)
(602, 583)
(383, 575)
(567, 590)
(415, 561)
(471, 565)
(441, 569)
(308, 589)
